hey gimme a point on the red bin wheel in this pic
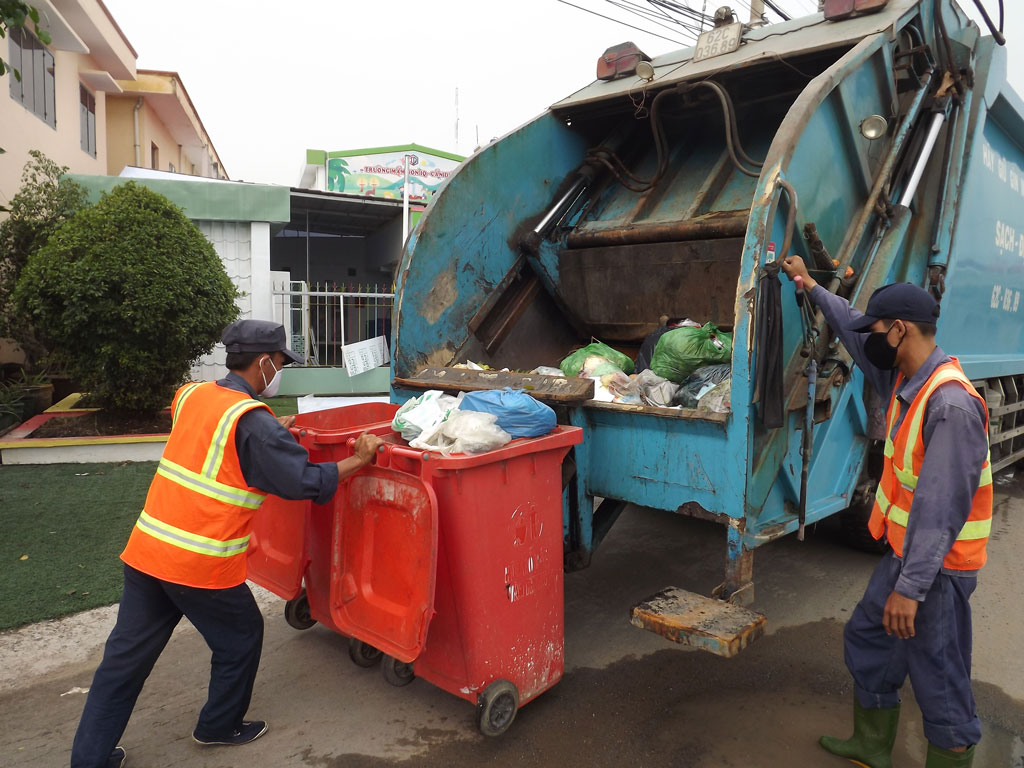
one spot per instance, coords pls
(363, 654)
(296, 612)
(496, 708)
(397, 673)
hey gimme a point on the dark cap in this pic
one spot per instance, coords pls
(258, 336)
(899, 301)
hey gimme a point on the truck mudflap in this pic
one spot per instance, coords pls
(700, 622)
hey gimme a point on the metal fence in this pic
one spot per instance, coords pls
(321, 318)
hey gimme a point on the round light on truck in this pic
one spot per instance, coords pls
(645, 71)
(873, 127)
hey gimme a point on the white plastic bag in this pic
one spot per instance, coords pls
(464, 432)
(474, 432)
(423, 414)
(718, 399)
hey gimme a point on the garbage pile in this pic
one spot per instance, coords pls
(473, 422)
(682, 364)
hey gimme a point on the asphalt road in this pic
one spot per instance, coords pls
(629, 698)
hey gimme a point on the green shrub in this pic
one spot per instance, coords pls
(128, 294)
(41, 205)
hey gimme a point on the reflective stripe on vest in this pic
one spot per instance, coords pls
(207, 486)
(973, 529)
(185, 392)
(190, 541)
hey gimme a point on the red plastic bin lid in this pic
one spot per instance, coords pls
(385, 548)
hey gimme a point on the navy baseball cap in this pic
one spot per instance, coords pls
(258, 336)
(899, 301)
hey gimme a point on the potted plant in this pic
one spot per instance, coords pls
(11, 406)
(36, 392)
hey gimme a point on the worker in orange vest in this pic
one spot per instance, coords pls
(934, 506)
(186, 554)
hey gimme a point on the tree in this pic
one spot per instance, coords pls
(129, 294)
(13, 15)
(43, 203)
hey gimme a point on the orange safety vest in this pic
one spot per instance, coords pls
(194, 529)
(901, 467)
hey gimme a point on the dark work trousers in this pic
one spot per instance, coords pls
(937, 658)
(228, 619)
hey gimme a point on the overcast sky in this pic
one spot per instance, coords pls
(272, 79)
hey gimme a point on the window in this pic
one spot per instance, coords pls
(154, 157)
(87, 120)
(35, 90)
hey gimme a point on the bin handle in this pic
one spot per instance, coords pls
(390, 449)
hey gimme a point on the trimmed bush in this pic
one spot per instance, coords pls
(128, 295)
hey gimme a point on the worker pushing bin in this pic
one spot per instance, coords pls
(450, 566)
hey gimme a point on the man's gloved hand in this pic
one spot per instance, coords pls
(366, 446)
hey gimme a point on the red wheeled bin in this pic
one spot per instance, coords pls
(451, 566)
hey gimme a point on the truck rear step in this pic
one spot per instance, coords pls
(702, 622)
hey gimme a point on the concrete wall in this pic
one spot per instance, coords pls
(244, 249)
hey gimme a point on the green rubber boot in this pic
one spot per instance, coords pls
(874, 734)
(946, 758)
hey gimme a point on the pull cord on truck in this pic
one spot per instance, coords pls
(878, 139)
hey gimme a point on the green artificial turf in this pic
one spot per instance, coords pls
(62, 527)
(69, 522)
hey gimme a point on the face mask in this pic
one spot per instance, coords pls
(879, 352)
(270, 388)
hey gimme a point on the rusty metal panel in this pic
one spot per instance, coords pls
(619, 292)
(710, 225)
(560, 389)
(700, 622)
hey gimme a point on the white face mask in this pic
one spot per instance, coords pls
(270, 388)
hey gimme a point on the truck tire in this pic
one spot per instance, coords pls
(853, 523)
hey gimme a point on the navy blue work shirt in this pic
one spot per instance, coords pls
(955, 448)
(272, 460)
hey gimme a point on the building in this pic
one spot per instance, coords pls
(380, 172)
(153, 124)
(77, 97)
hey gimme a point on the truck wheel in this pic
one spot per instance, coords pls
(496, 708)
(853, 522)
(397, 673)
(296, 612)
(363, 654)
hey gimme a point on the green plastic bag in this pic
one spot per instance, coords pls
(682, 351)
(572, 365)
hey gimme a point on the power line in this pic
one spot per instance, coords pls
(618, 21)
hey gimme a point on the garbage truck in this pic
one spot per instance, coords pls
(878, 139)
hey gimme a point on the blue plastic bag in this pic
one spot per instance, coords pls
(518, 413)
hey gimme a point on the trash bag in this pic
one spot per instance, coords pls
(423, 413)
(700, 382)
(596, 366)
(654, 390)
(516, 412)
(464, 432)
(547, 370)
(573, 364)
(718, 399)
(683, 350)
(643, 357)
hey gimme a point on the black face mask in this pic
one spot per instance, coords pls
(878, 350)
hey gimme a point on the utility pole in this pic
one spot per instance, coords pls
(756, 11)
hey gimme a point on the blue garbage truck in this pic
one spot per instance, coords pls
(878, 139)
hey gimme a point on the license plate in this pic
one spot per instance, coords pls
(718, 41)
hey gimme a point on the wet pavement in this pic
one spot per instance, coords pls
(628, 698)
